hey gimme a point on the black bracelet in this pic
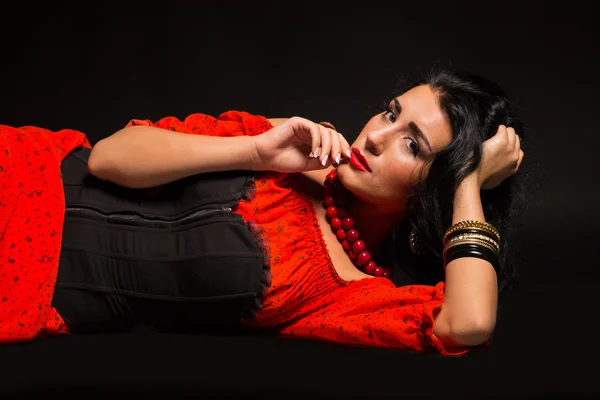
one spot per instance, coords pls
(471, 250)
(471, 230)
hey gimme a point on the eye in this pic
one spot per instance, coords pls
(390, 115)
(413, 146)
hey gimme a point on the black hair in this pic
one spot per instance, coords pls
(474, 107)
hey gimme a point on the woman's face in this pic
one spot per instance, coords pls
(394, 144)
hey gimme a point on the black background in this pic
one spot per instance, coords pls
(94, 66)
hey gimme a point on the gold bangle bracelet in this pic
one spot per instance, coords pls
(476, 224)
(471, 224)
(469, 233)
(473, 236)
(468, 224)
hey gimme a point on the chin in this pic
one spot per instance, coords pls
(345, 174)
(363, 187)
(352, 180)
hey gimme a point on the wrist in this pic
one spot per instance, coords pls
(251, 157)
(471, 181)
(215, 154)
(467, 200)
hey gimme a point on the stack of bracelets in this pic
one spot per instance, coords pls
(472, 239)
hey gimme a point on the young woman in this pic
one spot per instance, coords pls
(244, 222)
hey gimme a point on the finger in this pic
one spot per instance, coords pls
(315, 136)
(512, 135)
(325, 145)
(501, 135)
(501, 130)
(327, 125)
(345, 150)
(518, 142)
(520, 160)
(336, 147)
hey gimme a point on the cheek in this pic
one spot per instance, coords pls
(401, 172)
(398, 180)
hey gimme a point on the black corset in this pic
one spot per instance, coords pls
(175, 258)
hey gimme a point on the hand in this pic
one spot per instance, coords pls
(292, 145)
(502, 157)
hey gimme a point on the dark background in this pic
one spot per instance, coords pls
(95, 66)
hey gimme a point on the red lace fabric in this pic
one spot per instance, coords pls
(306, 298)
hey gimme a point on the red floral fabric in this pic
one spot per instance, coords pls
(306, 298)
(32, 209)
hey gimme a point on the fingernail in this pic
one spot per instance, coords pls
(324, 161)
(311, 155)
(317, 152)
(338, 158)
(348, 153)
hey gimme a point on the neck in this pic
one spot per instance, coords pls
(374, 223)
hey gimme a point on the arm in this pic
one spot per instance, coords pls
(144, 156)
(277, 121)
(468, 314)
(147, 156)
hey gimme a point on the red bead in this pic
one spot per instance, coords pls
(329, 201)
(352, 235)
(341, 234)
(352, 255)
(358, 246)
(328, 189)
(342, 213)
(348, 223)
(332, 211)
(346, 245)
(336, 223)
(378, 271)
(370, 268)
(331, 174)
(364, 258)
(386, 273)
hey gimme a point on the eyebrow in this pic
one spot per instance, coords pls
(416, 130)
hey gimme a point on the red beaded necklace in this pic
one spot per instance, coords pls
(343, 226)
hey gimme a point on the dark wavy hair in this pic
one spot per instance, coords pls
(474, 107)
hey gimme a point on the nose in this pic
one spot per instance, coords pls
(375, 142)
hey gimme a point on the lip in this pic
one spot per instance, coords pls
(359, 161)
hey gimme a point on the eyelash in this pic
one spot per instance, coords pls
(416, 148)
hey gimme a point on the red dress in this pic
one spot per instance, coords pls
(306, 298)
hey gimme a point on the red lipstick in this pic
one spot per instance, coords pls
(359, 161)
